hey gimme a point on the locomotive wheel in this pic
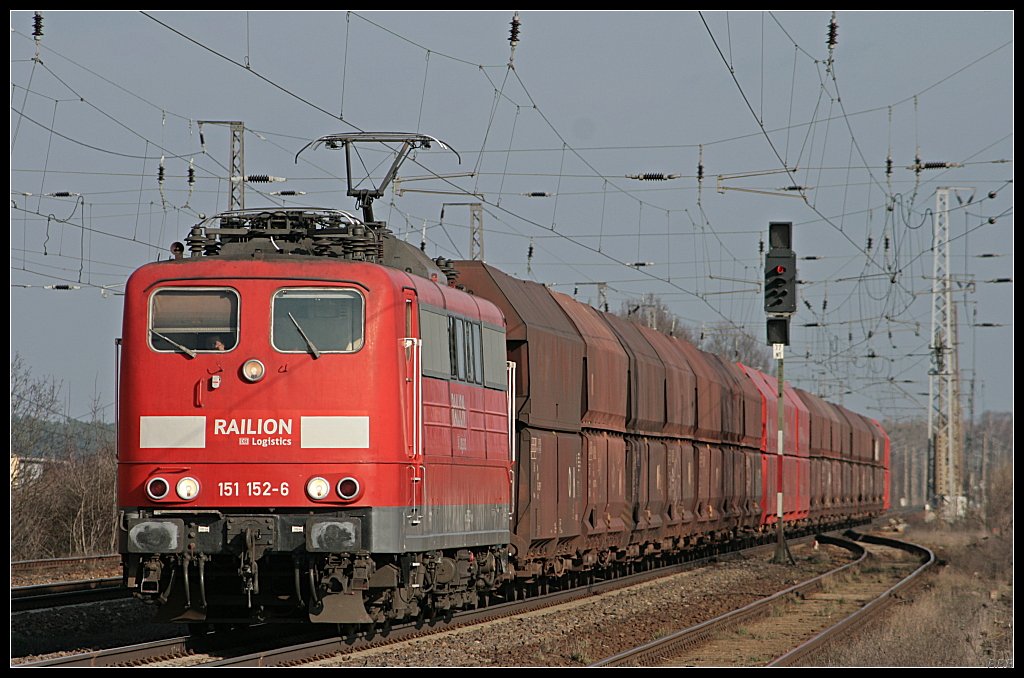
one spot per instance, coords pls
(349, 632)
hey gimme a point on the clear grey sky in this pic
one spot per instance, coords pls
(757, 98)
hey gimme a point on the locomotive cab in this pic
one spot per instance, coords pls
(272, 461)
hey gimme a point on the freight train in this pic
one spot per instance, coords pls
(317, 423)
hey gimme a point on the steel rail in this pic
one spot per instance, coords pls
(59, 594)
(651, 654)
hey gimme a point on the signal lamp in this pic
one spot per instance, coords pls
(348, 488)
(187, 488)
(157, 488)
(253, 370)
(317, 488)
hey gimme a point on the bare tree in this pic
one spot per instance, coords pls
(67, 504)
(35, 406)
(651, 311)
(734, 344)
(727, 341)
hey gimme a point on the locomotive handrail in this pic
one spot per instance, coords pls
(510, 401)
(414, 379)
(415, 376)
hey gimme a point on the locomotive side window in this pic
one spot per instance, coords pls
(437, 361)
(494, 358)
(458, 347)
(317, 321)
(462, 350)
(203, 320)
(477, 357)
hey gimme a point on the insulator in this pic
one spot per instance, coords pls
(513, 37)
(160, 174)
(991, 194)
(700, 172)
(935, 165)
(870, 243)
(833, 33)
(760, 246)
(795, 188)
(37, 26)
(917, 164)
(537, 194)
(575, 291)
(59, 287)
(886, 243)
(824, 305)
(888, 166)
(196, 241)
(191, 174)
(808, 305)
(529, 252)
(258, 178)
(652, 176)
(60, 194)
(423, 245)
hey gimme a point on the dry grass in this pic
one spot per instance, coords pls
(962, 615)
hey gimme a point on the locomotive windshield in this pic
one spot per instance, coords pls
(317, 320)
(189, 320)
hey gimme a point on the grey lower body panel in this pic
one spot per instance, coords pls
(439, 527)
(377, 530)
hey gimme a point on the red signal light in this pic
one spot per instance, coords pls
(780, 269)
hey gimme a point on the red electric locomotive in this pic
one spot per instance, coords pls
(306, 434)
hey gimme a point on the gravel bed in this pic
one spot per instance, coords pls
(583, 632)
(73, 629)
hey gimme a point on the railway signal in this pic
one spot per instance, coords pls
(780, 270)
(780, 305)
(779, 281)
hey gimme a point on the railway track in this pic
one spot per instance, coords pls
(786, 628)
(60, 564)
(220, 649)
(42, 596)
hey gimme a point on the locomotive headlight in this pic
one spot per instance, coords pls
(157, 488)
(253, 370)
(317, 488)
(187, 488)
(348, 488)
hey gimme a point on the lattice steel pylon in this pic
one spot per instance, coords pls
(945, 450)
(476, 231)
(236, 171)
